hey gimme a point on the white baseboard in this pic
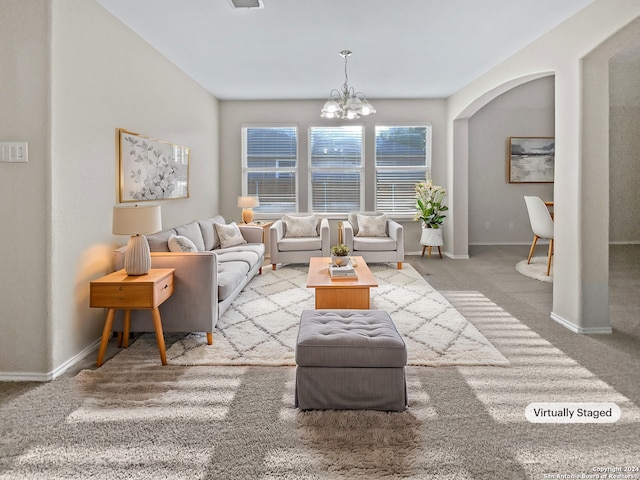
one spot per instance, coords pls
(46, 377)
(574, 328)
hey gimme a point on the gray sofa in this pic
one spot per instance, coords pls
(205, 282)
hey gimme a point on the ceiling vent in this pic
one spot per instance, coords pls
(247, 3)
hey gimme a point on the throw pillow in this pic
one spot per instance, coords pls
(372, 226)
(229, 235)
(300, 226)
(178, 243)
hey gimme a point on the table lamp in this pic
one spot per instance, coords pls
(247, 204)
(136, 220)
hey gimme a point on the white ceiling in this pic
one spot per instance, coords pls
(289, 49)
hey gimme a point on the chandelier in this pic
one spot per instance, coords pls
(347, 103)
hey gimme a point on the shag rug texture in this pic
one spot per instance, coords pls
(133, 418)
(537, 269)
(260, 327)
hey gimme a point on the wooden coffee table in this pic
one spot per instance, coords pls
(343, 292)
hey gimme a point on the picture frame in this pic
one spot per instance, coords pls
(150, 169)
(531, 159)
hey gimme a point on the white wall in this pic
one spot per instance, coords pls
(24, 95)
(497, 212)
(580, 299)
(233, 114)
(103, 76)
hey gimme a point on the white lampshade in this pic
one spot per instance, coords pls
(248, 202)
(137, 220)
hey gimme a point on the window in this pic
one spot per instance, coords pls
(336, 162)
(402, 158)
(269, 166)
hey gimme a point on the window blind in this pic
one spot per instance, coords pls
(336, 168)
(402, 159)
(270, 167)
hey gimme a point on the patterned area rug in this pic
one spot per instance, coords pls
(261, 325)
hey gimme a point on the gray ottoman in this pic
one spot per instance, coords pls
(350, 359)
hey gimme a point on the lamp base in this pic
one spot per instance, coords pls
(247, 215)
(137, 259)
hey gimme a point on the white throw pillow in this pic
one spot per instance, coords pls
(372, 226)
(178, 243)
(230, 235)
(300, 226)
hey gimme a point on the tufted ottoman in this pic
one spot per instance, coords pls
(350, 359)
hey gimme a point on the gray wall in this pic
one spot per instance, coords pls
(233, 114)
(497, 213)
(624, 147)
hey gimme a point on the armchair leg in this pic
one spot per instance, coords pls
(424, 247)
(273, 266)
(533, 246)
(399, 265)
(209, 338)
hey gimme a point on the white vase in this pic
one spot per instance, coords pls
(431, 237)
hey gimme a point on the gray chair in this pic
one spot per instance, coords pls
(375, 249)
(289, 242)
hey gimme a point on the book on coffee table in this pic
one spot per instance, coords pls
(342, 271)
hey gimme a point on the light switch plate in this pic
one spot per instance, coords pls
(14, 152)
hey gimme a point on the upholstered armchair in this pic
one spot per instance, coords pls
(297, 237)
(374, 237)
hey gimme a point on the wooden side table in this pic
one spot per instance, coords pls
(121, 291)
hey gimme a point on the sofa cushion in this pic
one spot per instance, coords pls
(297, 244)
(374, 244)
(247, 256)
(369, 226)
(229, 235)
(158, 242)
(230, 275)
(178, 243)
(208, 230)
(295, 226)
(193, 233)
(257, 248)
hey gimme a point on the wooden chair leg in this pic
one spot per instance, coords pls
(533, 246)
(273, 266)
(439, 251)
(424, 247)
(550, 254)
(209, 338)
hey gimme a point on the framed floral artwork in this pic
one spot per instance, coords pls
(531, 159)
(151, 169)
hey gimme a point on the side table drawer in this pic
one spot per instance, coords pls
(163, 290)
(122, 296)
(118, 290)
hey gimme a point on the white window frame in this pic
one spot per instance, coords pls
(246, 169)
(360, 170)
(426, 168)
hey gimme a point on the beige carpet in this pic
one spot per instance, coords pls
(261, 326)
(133, 418)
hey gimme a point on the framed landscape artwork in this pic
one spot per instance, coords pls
(151, 169)
(531, 159)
